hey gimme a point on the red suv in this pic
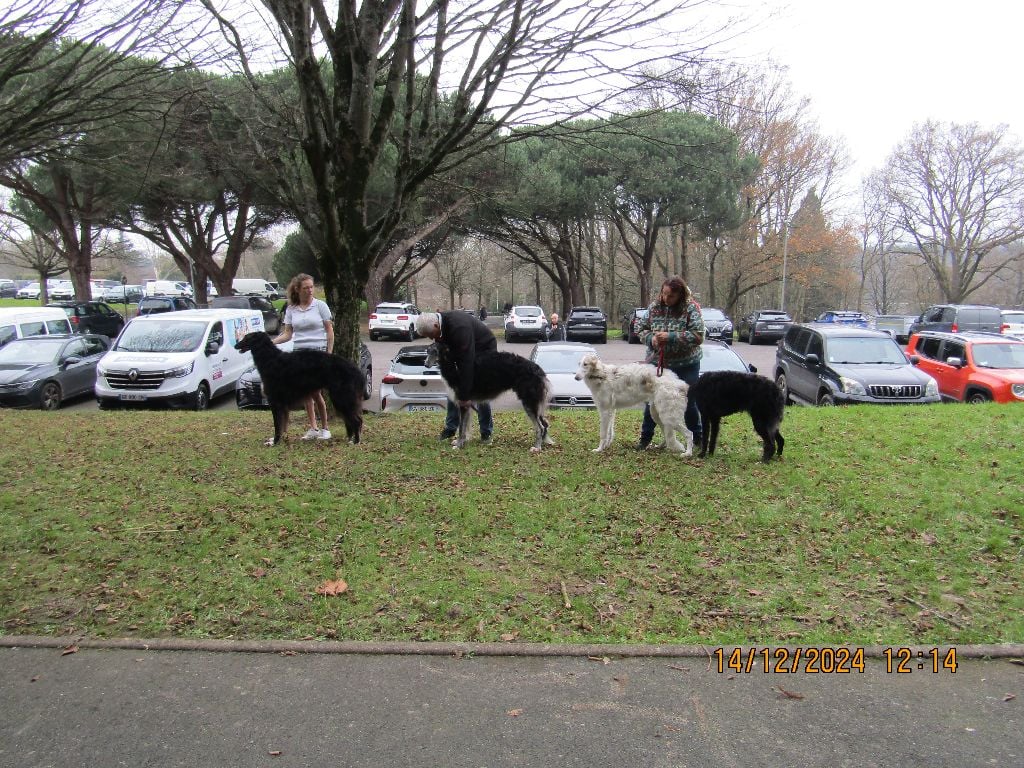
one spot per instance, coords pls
(971, 367)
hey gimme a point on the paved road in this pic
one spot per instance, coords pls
(197, 708)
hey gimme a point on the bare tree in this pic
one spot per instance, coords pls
(36, 253)
(454, 265)
(73, 65)
(957, 192)
(427, 87)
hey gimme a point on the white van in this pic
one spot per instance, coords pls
(167, 288)
(180, 359)
(17, 323)
(257, 286)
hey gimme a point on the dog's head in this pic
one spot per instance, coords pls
(433, 355)
(251, 340)
(590, 368)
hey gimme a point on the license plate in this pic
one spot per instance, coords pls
(774, 327)
(133, 396)
(387, 322)
(423, 408)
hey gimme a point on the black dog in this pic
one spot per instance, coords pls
(720, 393)
(291, 377)
(494, 373)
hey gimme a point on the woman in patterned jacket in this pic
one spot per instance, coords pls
(673, 332)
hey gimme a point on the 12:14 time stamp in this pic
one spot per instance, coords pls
(831, 660)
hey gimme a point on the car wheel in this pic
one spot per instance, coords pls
(373, 336)
(49, 396)
(751, 338)
(826, 399)
(780, 382)
(201, 397)
(604, 339)
(977, 396)
(368, 389)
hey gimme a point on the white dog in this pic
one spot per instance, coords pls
(626, 386)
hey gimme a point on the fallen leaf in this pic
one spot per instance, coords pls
(507, 637)
(259, 573)
(36, 678)
(274, 753)
(788, 694)
(1007, 697)
(514, 712)
(602, 659)
(755, 592)
(69, 649)
(331, 588)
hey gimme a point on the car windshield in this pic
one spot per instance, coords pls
(863, 350)
(1013, 317)
(30, 352)
(560, 360)
(999, 355)
(712, 314)
(168, 335)
(528, 311)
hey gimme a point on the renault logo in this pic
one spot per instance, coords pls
(133, 375)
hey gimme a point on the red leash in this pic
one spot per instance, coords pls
(661, 360)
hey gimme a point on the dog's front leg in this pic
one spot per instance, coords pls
(461, 436)
(607, 430)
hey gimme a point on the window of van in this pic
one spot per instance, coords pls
(37, 328)
(7, 333)
(170, 335)
(58, 326)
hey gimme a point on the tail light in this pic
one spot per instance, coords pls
(74, 319)
(1004, 328)
(954, 329)
(403, 317)
(373, 316)
(389, 379)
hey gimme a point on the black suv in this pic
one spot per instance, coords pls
(92, 317)
(830, 364)
(152, 305)
(717, 324)
(959, 317)
(763, 325)
(586, 324)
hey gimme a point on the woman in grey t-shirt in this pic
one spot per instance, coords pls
(307, 324)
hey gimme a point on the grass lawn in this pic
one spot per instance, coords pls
(881, 525)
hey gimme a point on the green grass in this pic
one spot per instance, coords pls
(881, 525)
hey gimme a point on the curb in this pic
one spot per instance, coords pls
(599, 650)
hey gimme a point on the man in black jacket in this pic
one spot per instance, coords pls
(466, 337)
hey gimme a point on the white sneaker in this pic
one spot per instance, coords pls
(324, 434)
(311, 434)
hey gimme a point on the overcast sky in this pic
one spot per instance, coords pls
(873, 68)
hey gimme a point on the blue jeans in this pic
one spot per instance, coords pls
(688, 372)
(483, 415)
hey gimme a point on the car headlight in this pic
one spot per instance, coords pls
(184, 370)
(1018, 391)
(852, 386)
(932, 388)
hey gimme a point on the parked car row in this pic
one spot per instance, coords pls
(830, 364)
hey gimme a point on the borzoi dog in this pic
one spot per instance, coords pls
(625, 386)
(493, 374)
(290, 377)
(720, 393)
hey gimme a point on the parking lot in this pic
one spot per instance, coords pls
(615, 352)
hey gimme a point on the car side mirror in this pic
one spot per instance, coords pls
(813, 359)
(212, 348)
(752, 367)
(956, 362)
(72, 360)
(914, 359)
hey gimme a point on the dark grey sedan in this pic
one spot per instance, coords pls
(43, 371)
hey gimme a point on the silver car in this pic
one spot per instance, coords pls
(560, 361)
(410, 386)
